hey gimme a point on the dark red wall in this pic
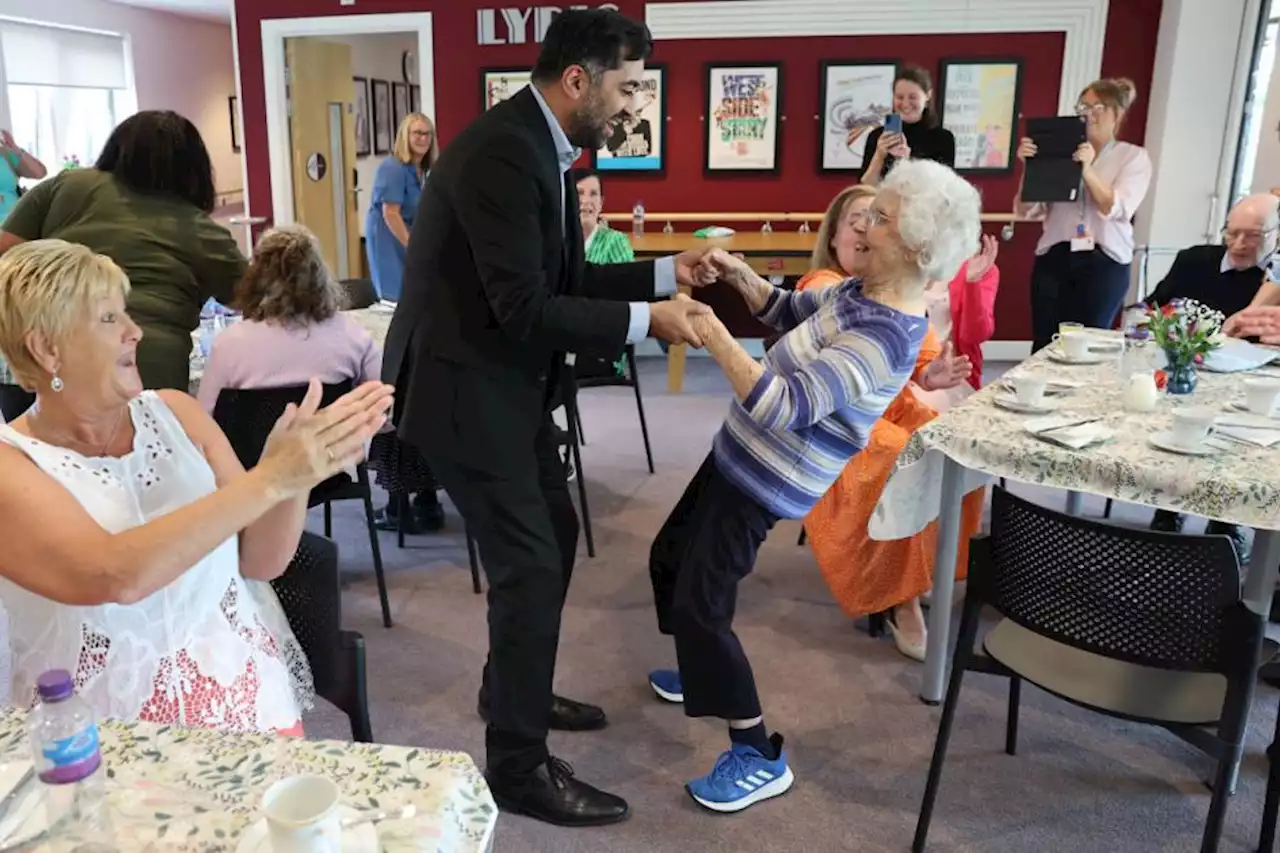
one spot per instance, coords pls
(1129, 51)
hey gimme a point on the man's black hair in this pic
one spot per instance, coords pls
(158, 152)
(597, 39)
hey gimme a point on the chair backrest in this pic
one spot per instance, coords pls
(360, 292)
(311, 597)
(247, 415)
(1157, 599)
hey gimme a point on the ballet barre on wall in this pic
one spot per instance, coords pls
(804, 219)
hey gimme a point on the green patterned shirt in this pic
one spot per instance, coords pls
(606, 246)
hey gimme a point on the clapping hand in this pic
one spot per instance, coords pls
(694, 269)
(982, 262)
(948, 370)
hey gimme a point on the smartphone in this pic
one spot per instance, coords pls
(893, 123)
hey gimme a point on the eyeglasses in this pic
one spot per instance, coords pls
(1230, 235)
(425, 134)
(1085, 110)
(873, 215)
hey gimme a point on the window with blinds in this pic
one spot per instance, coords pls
(67, 90)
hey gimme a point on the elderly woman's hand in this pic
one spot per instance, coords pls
(307, 447)
(731, 268)
(980, 263)
(1259, 321)
(946, 371)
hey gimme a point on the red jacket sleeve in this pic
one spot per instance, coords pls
(973, 313)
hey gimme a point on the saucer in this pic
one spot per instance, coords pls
(357, 839)
(1056, 354)
(1012, 404)
(1164, 441)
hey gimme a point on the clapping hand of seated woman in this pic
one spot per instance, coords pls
(308, 445)
(1259, 321)
(948, 370)
(982, 262)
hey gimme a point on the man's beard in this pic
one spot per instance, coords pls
(590, 127)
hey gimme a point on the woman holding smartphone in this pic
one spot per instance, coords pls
(1081, 273)
(912, 131)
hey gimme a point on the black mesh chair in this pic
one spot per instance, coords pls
(14, 400)
(611, 380)
(573, 441)
(360, 292)
(308, 592)
(247, 416)
(1134, 624)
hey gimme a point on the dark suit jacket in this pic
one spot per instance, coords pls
(496, 285)
(1197, 274)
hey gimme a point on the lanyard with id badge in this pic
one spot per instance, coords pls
(1083, 240)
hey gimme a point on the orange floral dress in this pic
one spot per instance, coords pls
(867, 575)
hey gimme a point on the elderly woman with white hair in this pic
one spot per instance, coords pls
(138, 550)
(799, 416)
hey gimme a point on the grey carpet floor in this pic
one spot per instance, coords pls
(858, 737)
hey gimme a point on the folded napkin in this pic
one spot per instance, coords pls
(1235, 356)
(1247, 419)
(1070, 431)
(1256, 437)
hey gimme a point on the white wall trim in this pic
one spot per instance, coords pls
(275, 31)
(244, 143)
(1083, 21)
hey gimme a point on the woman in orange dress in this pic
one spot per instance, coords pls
(868, 576)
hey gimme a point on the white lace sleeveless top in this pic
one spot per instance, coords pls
(211, 650)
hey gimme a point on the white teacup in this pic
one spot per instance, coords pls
(1192, 425)
(1029, 389)
(1260, 395)
(1074, 344)
(304, 815)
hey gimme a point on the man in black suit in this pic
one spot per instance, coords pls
(1226, 277)
(496, 291)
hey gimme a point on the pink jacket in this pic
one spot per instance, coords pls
(973, 315)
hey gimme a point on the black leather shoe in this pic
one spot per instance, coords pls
(566, 714)
(1238, 539)
(1166, 521)
(552, 794)
(428, 513)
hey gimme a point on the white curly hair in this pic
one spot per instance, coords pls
(939, 215)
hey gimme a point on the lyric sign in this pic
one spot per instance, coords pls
(520, 25)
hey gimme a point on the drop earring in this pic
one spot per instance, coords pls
(56, 384)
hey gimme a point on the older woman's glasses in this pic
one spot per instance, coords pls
(1248, 235)
(872, 215)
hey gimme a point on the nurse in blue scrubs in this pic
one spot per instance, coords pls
(14, 164)
(396, 190)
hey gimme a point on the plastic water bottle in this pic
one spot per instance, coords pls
(64, 745)
(637, 220)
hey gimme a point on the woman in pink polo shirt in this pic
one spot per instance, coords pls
(1081, 272)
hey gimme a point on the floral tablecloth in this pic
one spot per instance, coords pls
(1241, 486)
(198, 790)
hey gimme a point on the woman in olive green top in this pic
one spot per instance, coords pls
(145, 205)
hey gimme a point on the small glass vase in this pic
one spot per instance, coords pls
(1182, 375)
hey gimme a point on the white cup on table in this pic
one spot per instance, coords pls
(1074, 344)
(1028, 389)
(304, 815)
(1260, 395)
(1192, 425)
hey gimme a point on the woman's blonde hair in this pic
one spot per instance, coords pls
(48, 287)
(288, 280)
(1118, 93)
(824, 258)
(404, 152)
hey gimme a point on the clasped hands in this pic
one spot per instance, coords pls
(682, 320)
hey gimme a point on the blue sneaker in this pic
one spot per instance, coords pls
(666, 683)
(743, 777)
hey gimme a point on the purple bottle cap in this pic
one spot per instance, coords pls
(55, 685)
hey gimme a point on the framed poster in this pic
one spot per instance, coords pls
(979, 102)
(399, 104)
(855, 97)
(237, 133)
(415, 98)
(360, 105)
(744, 107)
(498, 84)
(638, 143)
(381, 91)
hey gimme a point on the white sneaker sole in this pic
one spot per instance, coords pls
(776, 788)
(666, 695)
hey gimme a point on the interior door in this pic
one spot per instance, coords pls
(322, 136)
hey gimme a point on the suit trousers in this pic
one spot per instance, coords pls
(516, 505)
(706, 546)
(1079, 287)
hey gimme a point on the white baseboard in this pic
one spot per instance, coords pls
(991, 350)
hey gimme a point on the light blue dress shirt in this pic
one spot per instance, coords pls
(664, 269)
